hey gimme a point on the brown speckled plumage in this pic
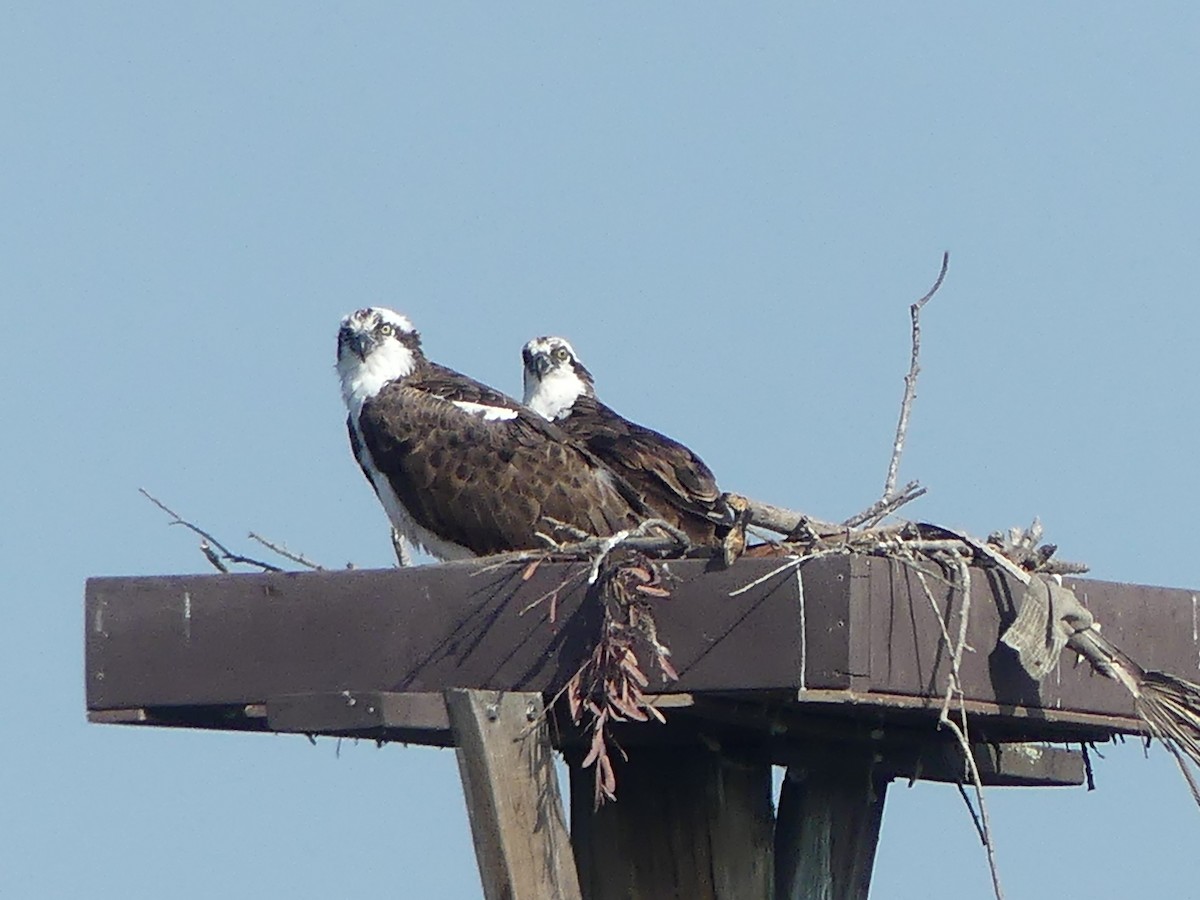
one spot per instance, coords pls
(486, 484)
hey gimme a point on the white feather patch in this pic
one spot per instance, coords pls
(486, 412)
(553, 396)
(363, 379)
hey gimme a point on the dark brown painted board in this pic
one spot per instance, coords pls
(1154, 625)
(358, 712)
(235, 639)
(869, 636)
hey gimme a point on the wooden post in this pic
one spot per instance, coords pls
(688, 823)
(513, 801)
(827, 828)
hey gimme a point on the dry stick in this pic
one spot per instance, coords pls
(885, 506)
(622, 537)
(962, 792)
(783, 520)
(554, 591)
(208, 539)
(672, 540)
(910, 382)
(786, 521)
(283, 551)
(954, 686)
(961, 733)
(1087, 766)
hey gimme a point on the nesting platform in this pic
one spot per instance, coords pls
(835, 667)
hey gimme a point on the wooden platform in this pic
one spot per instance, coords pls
(834, 669)
(846, 638)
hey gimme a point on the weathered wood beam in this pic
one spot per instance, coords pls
(384, 715)
(827, 829)
(513, 801)
(797, 734)
(914, 752)
(861, 639)
(690, 823)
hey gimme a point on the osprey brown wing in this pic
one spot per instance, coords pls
(671, 479)
(486, 483)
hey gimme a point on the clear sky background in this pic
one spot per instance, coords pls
(727, 209)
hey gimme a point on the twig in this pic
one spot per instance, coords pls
(793, 562)
(954, 688)
(782, 520)
(553, 593)
(209, 542)
(964, 586)
(1087, 767)
(283, 551)
(608, 686)
(962, 792)
(211, 556)
(910, 382)
(885, 506)
(621, 538)
(671, 541)
(576, 534)
(786, 521)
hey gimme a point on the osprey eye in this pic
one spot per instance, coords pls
(386, 329)
(560, 353)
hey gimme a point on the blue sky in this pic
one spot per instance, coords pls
(727, 209)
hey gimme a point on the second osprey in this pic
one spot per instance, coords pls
(671, 479)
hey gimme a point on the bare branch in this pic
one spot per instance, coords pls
(962, 792)
(1087, 767)
(785, 521)
(789, 522)
(298, 558)
(885, 506)
(959, 563)
(566, 528)
(668, 541)
(910, 381)
(211, 556)
(214, 551)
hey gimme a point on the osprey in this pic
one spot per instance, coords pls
(461, 469)
(670, 478)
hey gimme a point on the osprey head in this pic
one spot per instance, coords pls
(554, 377)
(375, 346)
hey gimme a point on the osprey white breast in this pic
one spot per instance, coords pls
(553, 378)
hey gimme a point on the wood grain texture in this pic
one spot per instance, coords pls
(827, 829)
(688, 824)
(513, 801)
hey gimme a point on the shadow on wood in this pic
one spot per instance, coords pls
(692, 825)
(827, 829)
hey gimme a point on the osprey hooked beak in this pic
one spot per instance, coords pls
(538, 362)
(358, 340)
